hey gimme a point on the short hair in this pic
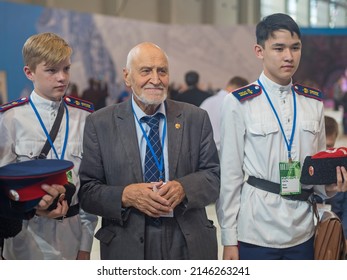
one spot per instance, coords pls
(268, 25)
(238, 81)
(45, 47)
(331, 126)
(130, 57)
(192, 78)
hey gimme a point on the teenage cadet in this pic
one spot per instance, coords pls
(26, 125)
(267, 130)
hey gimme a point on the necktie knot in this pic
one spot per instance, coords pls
(153, 121)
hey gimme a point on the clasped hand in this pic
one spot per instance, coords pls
(153, 199)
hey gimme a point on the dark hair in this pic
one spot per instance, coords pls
(331, 126)
(238, 81)
(192, 78)
(272, 23)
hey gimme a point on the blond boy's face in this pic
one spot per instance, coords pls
(50, 82)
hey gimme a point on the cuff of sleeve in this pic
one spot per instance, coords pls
(320, 191)
(228, 237)
(86, 241)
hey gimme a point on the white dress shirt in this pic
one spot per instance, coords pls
(252, 144)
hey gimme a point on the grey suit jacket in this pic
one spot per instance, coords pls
(111, 161)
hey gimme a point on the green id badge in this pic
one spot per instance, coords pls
(290, 173)
(69, 176)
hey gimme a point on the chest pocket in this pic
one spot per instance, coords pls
(74, 151)
(27, 149)
(74, 154)
(263, 129)
(261, 134)
(309, 134)
(310, 126)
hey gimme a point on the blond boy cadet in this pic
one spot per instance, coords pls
(25, 127)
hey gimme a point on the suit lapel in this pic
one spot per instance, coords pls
(124, 119)
(175, 132)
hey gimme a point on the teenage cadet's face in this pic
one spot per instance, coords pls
(148, 75)
(50, 82)
(281, 56)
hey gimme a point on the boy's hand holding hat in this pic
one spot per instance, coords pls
(53, 204)
(34, 183)
(323, 169)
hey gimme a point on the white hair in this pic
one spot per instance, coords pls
(135, 50)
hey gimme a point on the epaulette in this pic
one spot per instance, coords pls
(79, 103)
(308, 92)
(12, 104)
(247, 92)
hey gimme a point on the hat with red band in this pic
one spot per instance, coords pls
(22, 181)
(320, 169)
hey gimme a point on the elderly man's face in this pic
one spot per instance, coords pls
(148, 75)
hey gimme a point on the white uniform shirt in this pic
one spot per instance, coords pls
(252, 144)
(213, 106)
(22, 138)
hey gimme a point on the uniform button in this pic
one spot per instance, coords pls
(142, 239)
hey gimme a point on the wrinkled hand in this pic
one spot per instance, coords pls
(231, 253)
(341, 184)
(53, 191)
(142, 197)
(173, 192)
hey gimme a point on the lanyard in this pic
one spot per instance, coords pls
(159, 165)
(46, 132)
(289, 145)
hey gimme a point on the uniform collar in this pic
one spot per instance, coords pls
(274, 89)
(43, 103)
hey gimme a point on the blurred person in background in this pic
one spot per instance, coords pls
(213, 105)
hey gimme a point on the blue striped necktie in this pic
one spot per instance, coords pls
(152, 172)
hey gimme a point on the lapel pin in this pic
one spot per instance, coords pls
(177, 126)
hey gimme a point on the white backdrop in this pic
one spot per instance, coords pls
(101, 44)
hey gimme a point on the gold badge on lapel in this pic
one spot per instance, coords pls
(177, 126)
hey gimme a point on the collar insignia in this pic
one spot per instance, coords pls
(247, 92)
(12, 104)
(79, 103)
(308, 92)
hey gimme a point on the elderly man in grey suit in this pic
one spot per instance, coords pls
(149, 169)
